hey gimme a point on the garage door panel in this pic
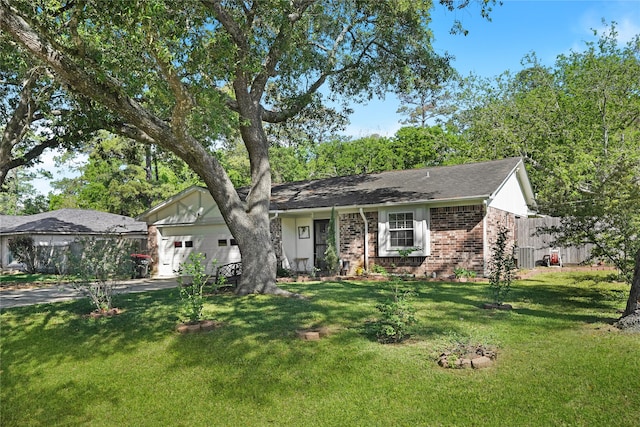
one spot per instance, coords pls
(216, 245)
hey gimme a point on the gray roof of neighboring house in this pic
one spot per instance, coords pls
(71, 221)
(473, 180)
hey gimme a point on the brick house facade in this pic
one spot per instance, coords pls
(457, 239)
(448, 216)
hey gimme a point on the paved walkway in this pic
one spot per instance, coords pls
(22, 297)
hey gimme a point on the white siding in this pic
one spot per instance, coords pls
(293, 246)
(510, 198)
(205, 240)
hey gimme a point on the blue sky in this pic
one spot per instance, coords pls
(547, 27)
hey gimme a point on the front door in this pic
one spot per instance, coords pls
(320, 229)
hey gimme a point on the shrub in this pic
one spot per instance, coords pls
(331, 257)
(284, 272)
(24, 251)
(460, 272)
(502, 266)
(378, 269)
(96, 265)
(397, 317)
(192, 280)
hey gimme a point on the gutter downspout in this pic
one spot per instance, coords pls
(366, 240)
(485, 244)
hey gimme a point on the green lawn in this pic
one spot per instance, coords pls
(559, 362)
(22, 278)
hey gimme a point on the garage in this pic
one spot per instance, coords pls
(176, 243)
(189, 222)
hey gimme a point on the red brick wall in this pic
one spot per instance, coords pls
(496, 217)
(456, 239)
(456, 236)
(152, 249)
(352, 241)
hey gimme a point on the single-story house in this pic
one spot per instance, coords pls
(56, 230)
(448, 215)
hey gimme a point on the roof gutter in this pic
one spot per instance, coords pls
(479, 199)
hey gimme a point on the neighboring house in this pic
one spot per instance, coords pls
(56, 230)
(450, 214)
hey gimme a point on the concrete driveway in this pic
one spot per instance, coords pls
(22, 297)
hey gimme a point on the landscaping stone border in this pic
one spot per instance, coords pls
(201, 326)
(313, 334)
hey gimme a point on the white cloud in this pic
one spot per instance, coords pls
(626, 15)
(627, 29)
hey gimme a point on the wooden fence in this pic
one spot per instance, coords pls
(532, 248)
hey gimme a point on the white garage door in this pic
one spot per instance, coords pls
(176, 243)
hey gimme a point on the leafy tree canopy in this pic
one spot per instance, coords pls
(182, 75)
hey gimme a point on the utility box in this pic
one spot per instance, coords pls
(526, 258)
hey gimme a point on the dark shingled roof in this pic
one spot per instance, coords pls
(473, 180)
(70, 221)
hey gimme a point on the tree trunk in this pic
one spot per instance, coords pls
(634, 293)
(258, 264)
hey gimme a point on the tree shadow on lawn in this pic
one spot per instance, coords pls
(566, 303)
(40, 335)
(345, 305)
(259, 332)
(64, 330)
(568, 297)
(58, 405)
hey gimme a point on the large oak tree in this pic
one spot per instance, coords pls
(181, 74)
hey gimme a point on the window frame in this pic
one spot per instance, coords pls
(420, 228)
(408, 227)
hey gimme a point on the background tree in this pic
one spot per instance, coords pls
(565, 120)
(19, 196)
(121, 176)
(425, 103)
(341, 157)
(24, 251)
(417, 147)
(178, 75)
(577, 125)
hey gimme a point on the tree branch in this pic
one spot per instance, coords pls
(108, 92)
(184, 101)
(277, 48)
(229, 24)
(27, 158)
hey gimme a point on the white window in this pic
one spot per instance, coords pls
(401, 229)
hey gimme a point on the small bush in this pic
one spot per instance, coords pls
(378, 269)
(284, 272)
(502, 266)
(460, 272)
(331, 258)
(96, 265)
(397, 318)
(24, 251)
(192, 280)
